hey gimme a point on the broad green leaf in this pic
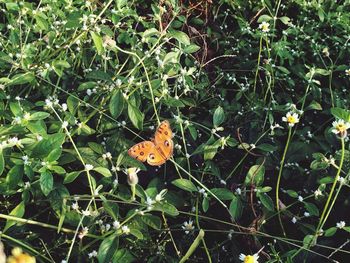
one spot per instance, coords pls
(191, 49)
(54, 155)
(285, 20)
(265, 18)
(136, 116)
(104, 171)
(219, 116)
(311, 208)
(181, 37)
(107, 248)
(111, 208)
(166, 208)
(236, 208)
(46, 182)
(98, 42)
(14, 176)
(266, 201)
(223, 193)
(71, 177)
(255, 175)
(18, 211)
(152, 221)
(22, 78)
(39, 115)
(185, 184)
(341, 114)
(46, 145)
(330, 231)
(123, 255)
(116, 104)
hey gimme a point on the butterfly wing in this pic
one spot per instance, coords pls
(147, 151)
(163, 140)
(141, 150)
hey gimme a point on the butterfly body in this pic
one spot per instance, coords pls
(158, 150)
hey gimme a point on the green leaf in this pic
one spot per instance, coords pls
(14, 176)
(205, 204)
(181, 37)
(2, 162)
(123, 255)
(185, 184)
(54, 155)
(98, 42)
(236, 208)
(255, 175)
(219, 116)
(191, 49)
(266, 147)
(39, 115)
(71, 177)
(314, 105)
(46, 145)
(137, 233)
(210, 151)
(223, 193)
(22, 78)
(266, 201)
(312, 209)
(152, 221)
(116, 104)
(330, 231)
(107, 248)
(104, 171)
(265, 18)
(285, 20)
(111, 208)
(46, 182)
(341, 114)
(166, 208)
(292, 193)
(18, 211)
(136, 116)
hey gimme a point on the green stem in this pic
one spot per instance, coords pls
(279, 179)
(324, 216)
(193, 246)
(257, 68)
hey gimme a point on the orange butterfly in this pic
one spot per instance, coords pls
(158, 150)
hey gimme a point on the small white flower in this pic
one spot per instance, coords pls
(48, 103)
(265, 27)
(149, 202)
(300, 198)
(340, 224)
(86, 212)
(158, 198)
(188, 226)
(93, 254)
(291, 118)
(239, 191)
(64, 124)
(318, 193)
(126, 230)
(26, 116)
(118, 82)
(341, 180)
(83, 232)
(116, 224)
(64, 106)
(347, 72)
(75, 206)
(39, 137)
(306, 214)
(294, 220)
(249, 258)
(89, 167)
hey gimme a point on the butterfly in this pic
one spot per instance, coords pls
(158, 150)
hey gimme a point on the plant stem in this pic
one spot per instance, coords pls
(279, 179)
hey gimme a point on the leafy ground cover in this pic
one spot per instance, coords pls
(256, 94)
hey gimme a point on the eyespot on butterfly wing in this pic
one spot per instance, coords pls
(157, 151)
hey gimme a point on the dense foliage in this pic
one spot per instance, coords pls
(256, 93)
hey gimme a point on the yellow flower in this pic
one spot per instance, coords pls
(340, 127)
(19, 257)
(291, 118)
(264, 26)
(249, 258)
